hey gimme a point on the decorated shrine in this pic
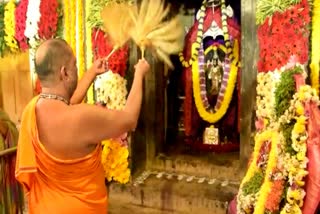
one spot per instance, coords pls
(232, 97)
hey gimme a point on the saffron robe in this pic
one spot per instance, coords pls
(53, 185)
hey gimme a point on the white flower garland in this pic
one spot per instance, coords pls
(265, 95)
(33, 17)
(111, 89)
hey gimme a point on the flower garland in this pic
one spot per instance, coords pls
(291, 31)
(265, 99)
(2, 33)
(21, 17)
(268, 8)
(9, 26)
(73, 11)
(67, 20)
(297, 163)
(196, 46)
(33, 17)
(245, 201)
(215, 116)
(115, 161)
(271, 165)
(89, 54)
(315, 45)
(287, 162)
(48, 24)
(111, 89)
(80, 40)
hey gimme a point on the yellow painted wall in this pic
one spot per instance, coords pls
(15, 82)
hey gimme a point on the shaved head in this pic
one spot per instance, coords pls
(51, 55)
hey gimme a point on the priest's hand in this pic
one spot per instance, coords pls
(99, 66)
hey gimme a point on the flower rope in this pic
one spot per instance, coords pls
(33, 18)
(271, 165)
(89, 54)
(9, 26)
(73, 20)
(21, 17)
(196, 46)
(315, 46)
(67, 21)
(80, 39)
(213, 117)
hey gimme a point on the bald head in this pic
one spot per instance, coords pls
(51, 55)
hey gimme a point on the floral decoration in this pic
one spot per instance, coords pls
(115, 161)
(315, 46)
(266, 8)
(283, 35)
(111, 89)
(33, 17)
(21, 18)
(49, 19)
(2, 33)
(9, 26)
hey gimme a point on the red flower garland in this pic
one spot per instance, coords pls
(49, 19)
(287, 35)
(20, 18)
(117, 62)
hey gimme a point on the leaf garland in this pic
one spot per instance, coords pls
(2, 33)
(94, 19)
(285, 90)
(266, 8)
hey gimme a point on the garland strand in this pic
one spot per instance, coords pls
(272, 164)
(315, 46)
(67, 21)
(33, 17)
(89, 54)
(73, 20)
(9, 26)
(196, 47)
(219, 113)
(80, 39)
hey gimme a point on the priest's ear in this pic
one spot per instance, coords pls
(63, 75)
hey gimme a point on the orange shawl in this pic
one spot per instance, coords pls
(54, 185)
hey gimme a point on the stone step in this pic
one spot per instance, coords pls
(218, 166)
(168, 194)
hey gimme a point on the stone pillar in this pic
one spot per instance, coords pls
(249, 53)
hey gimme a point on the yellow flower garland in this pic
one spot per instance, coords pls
(72, 26)
(315, 45)
(114, 159)
(9, 26)
(67, 23)
(89, 54)
(272, 163)
(260, 138)
(216, 116)
(80, 39)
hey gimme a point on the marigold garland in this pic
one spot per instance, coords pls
(80, 39)
(259, 142)
(114, 159)
(73, 11)
(272, 163)
(315, 46)
(216, 116)
(9, 26)
(89, 54)
(67, 21)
